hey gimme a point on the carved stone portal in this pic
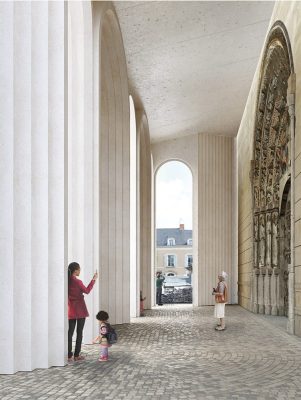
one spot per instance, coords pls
(271, 214)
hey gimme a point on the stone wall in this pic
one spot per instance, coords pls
(289, 14)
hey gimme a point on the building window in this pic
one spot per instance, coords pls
(170, 260)
(171, 242)
(170, 274)
(189, 242)
(189, 260)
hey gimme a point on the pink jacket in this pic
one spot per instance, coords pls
(76, 304)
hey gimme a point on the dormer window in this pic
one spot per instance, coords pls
(189, 242)
(171, 242)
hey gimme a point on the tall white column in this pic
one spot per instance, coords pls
(6, 190)
(39, 185)
(33, 185)
(113, 128)
(57, 158)
(22, 185)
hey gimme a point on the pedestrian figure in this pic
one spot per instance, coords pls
(221, 298)
(77, 310)
(142, 304)
(159, 283)
(102, 338)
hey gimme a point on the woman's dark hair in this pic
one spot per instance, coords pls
(102, 316)
(71, 268)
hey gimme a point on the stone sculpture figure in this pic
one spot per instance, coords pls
(255, 242)
(261, 240)
(268, 239)
(275, 238)
(256, 197)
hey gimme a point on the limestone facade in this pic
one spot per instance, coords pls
(268, 154)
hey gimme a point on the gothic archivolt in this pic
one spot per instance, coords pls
(270, 174)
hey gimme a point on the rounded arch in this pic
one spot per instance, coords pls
(271, 166)
(170, 160)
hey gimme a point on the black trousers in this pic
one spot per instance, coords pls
(159, 295)
(79, 335)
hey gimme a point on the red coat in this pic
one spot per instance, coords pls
(76, 304)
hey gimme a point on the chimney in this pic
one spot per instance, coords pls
(181, 227)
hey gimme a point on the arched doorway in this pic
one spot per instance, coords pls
(270, 176)
(173, 227)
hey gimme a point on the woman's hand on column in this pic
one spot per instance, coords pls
(95, 276)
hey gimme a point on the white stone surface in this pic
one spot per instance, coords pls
(112, 124)
(7, 190)
(33, 182)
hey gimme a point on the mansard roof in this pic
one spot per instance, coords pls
(180, 235)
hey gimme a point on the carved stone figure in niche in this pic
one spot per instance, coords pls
(275, 119)
(285, 292)
(261, 240)
(274, 82)
(256, 197)
(255, 242)
(262, 101)
(280, 103)
(267, 120)
(262, 198)
(263, 177)
(287, 237)
(270, 178)
(275, 238)
(272, 137)
(270, 102)
(276, 195)
(268, 239)
(269, 199)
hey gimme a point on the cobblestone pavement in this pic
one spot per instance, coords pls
(175, 353)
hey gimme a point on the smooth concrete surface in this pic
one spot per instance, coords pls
(191, 64)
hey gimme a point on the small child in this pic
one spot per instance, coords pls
(102, 338)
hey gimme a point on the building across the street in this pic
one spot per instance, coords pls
(174, 251)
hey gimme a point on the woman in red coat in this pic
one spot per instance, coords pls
(77, 310)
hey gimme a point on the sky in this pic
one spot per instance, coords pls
(173, 196)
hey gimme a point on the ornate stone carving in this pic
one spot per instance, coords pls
(268, 239)
(275, 238)
(255, 241)
(261, 240)
(271, 162)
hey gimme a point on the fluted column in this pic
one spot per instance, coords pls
(33, 185)
(112, 131)
(144, 204)
(7, 362)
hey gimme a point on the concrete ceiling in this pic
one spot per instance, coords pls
(191, 64)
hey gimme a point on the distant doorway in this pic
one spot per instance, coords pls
(173, 234)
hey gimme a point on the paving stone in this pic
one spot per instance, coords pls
(173, 352)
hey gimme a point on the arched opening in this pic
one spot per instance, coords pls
(271, 168)
(173, 233)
